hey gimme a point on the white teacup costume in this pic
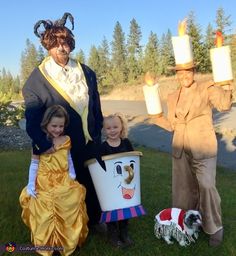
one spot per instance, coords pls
(118, 187)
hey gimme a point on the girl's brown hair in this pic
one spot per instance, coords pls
(54, 111)
(124, 131)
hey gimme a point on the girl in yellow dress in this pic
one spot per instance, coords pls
(53, 202)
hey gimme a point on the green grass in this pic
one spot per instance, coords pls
(156, 195)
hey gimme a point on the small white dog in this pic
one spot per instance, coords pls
(178, 224)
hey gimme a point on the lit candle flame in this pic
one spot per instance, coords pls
(149, 78)
(219, 39)
(182, 27)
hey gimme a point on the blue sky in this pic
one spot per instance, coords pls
(96, 19)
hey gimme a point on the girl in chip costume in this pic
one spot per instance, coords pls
(115, 130)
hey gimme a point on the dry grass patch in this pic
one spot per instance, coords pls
(135, 91)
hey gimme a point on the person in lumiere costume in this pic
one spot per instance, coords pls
(53, 202)
(194, 146)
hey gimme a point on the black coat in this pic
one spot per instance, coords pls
(39, 95)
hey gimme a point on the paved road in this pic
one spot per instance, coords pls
(152, 136)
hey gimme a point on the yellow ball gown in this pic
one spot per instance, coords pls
(58, 216)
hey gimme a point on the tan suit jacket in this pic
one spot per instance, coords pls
(194, 130)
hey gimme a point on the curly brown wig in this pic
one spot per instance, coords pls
(55, 33)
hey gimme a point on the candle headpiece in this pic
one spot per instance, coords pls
(182, 47)
(221, 61)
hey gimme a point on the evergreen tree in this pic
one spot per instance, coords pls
(167, 56)
(41, 54)
(8, 84)
(151, 55)
(119, 70)
(94, 61)
(80, 57)
(223, 22)
(104, 54)
(16, 85)
(105, 65)
(194, 31)
(208, 44)
(134, 50)
(29, 60)
(4, 85)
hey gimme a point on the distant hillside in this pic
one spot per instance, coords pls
(167, 85)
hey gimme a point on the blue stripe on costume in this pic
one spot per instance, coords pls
(122, 214)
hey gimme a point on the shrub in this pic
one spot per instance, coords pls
(10, 114)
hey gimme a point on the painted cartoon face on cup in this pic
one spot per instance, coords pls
(118, 186)
(124, 175)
